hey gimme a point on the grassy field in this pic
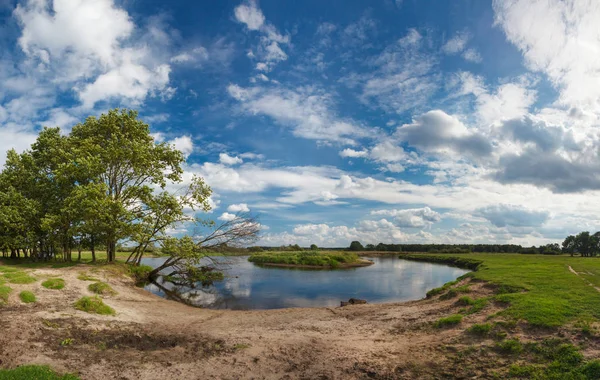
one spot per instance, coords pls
(539, 289)
(333, 259)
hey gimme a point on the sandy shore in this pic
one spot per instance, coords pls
(153, 338)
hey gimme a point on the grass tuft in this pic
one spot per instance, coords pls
(54, 283)
(27, 297)
(94, 305)
(36, 372)
(101, 288)
(4, 293)
(449, 321)
(19, 278)
(480, 329)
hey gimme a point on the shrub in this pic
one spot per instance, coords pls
(94, 305)
(54, 283)
(101, 288)
(451, 320)
(27, 297)
(140, 273)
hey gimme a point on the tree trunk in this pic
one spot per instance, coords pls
(93, 247)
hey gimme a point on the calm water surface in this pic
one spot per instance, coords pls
(248, 286)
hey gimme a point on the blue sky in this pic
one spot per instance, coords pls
(385, 121)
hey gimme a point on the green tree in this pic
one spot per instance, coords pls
(356, 246)
(313, 247)
(119, 152)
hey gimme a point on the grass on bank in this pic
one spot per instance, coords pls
(54, 283)
(101, 288)
(27, 297)
(37, 372)
(94, 305)
(539, 289)
(311, 258)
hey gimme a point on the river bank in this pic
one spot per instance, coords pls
(153, 338)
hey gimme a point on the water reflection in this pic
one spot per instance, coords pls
(248, 286)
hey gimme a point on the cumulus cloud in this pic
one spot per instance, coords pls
(226, 159)
(241, 207)
(503, 215)
(250, 15)
(436, 131)
(353, 153)
(411, 218)
(226, 217)
(91, 46)
(569, 56)
(184, 144)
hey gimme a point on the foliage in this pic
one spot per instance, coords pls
(54, 283)
(19, 278)
(140, 272)
(94, 305)
(509, 347)
(449, 321)
(27, 297)
(356, 246)
(101, 288)
(33, 372)
(309, 258)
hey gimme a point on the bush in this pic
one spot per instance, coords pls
(27, 297)
(140, 273)
(54, 283)
(449, 321)
(101, 288)
(94, 305)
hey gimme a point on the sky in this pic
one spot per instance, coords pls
(430, 121)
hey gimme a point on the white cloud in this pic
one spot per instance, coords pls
(456, 44)
(226, 159)
(227, 217)
(472, 55)
(250, 15)
(306, 110)
(184, 144)
(353, 153)
(559, 38)
(509, 101)
(411, 218)
(241, 207)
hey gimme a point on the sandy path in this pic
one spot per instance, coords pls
(153, 338)
(589, 283)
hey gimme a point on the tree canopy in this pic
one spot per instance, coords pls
(106, 182)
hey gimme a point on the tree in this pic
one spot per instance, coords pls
(356, 246)
(568, 245)
(119, 152)
(313, 247)
(184, 254)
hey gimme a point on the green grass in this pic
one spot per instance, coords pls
(27, 297)
(54, 283)
(449, 321)
(18, 277)
(36, 372)
(94, 305)
(4, 293)
(539, 289)
(83, 276)
(311, 258)
(480, 329)
(101, 288)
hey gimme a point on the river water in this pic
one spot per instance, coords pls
(248, 286)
